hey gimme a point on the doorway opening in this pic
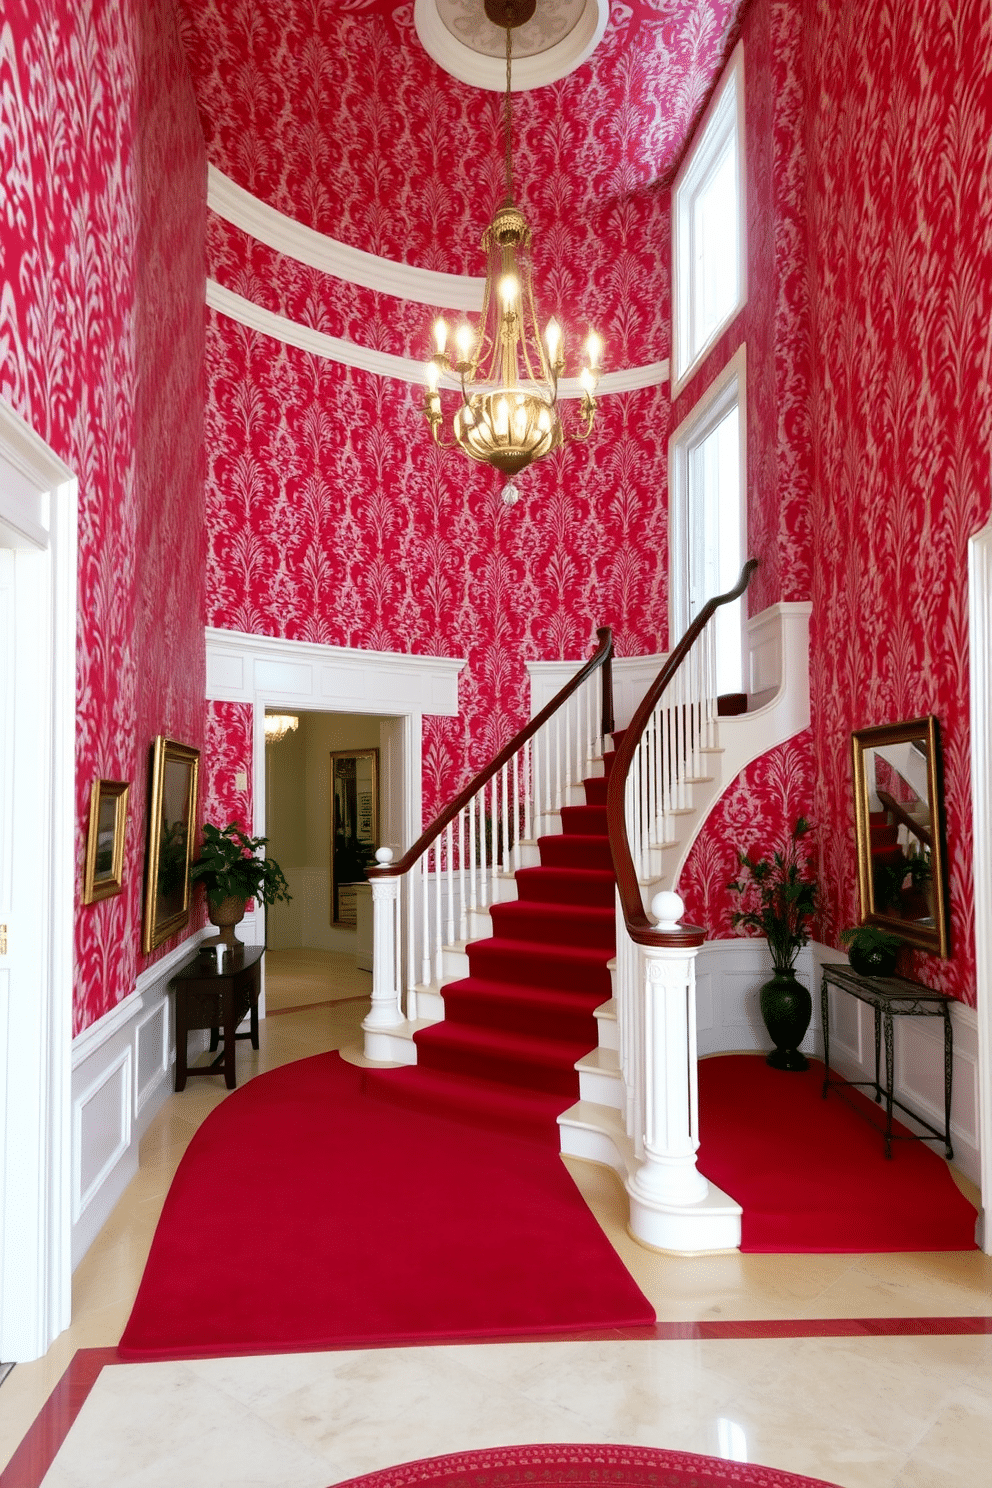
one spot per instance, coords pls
(333, 795)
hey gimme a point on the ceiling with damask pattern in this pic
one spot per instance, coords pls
(336, 113)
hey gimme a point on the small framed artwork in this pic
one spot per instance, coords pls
(175, 770)
(104, 870)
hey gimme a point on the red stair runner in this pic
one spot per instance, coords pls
(514, 1028)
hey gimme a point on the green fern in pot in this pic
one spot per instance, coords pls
(232, 870)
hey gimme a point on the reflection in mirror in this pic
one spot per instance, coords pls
(900, 832)
(354, 826)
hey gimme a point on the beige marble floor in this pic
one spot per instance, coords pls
(908, 1412)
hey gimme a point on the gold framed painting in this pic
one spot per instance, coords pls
(173, 781)
(103, 874)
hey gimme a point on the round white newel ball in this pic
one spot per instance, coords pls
(384, 855)
(668, 909)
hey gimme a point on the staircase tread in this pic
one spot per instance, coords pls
(603, 1061)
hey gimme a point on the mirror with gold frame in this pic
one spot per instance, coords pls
(354, 826)
(899, 821)
(171, 828)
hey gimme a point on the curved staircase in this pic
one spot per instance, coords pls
(517, 1028)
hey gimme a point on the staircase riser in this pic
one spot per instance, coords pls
(565, 886)
(556, 926)
(483, 1066)
(561, 853)
(522, 1017)
(511, 965)
(602, 1089)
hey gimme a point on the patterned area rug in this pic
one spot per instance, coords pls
(572, 1465)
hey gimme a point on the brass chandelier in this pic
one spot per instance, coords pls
(508, 374)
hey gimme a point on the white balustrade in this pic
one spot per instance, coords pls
(438, 902)
(657, 1005)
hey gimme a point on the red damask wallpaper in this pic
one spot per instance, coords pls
(332, 517)
(899, 131)
(873, 462)
(101, 350)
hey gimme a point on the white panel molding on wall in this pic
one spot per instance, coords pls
(120, 1077)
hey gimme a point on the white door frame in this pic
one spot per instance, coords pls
(980, 647)
(38, 506)
(302, 676)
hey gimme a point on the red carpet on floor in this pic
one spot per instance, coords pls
(306, 1215)
(571, 1465)
(811, 1174)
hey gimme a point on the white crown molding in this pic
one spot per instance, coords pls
(284, 235)
(479, 71)
(383, 363)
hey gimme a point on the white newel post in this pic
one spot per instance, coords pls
(385, 1012)
(672, 1206)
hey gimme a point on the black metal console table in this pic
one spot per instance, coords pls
(891, 997)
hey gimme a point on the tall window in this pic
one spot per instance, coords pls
(708, 237)
(708, 538)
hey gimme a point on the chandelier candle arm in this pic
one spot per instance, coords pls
(508, 373)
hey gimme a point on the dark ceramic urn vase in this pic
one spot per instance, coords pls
(786, 1007)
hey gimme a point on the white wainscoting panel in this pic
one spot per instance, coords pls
(729, 976)
(121, 1074)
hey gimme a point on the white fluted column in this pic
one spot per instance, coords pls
(386, 1011)
(672, 1206)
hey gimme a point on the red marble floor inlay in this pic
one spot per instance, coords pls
(37, 1451)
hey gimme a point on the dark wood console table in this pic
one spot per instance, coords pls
(891, 997)
(218, 1000)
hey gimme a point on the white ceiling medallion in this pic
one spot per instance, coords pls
(562, 34)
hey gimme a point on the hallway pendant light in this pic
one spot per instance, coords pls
(507, 372)
(278, 725)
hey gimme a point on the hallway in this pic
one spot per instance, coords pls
(859, 1402)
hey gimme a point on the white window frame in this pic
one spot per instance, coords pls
(728, 388)
(723, 121)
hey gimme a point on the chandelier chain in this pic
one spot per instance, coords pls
(508, 117)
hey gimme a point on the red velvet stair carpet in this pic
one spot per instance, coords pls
(811, 1174)
(306, 1215)
(573, 1465)
(504, 1056)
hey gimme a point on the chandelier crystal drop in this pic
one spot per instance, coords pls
(506, 371)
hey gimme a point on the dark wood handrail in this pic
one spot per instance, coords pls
(601, 657)
(639, 927)
(906, 818)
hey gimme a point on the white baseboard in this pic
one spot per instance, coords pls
(121, 1074)
(729, 974)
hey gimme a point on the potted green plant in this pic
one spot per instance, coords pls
(778, 898)
(233, 870)
(871, 951)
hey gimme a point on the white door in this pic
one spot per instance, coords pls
(37, 674)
